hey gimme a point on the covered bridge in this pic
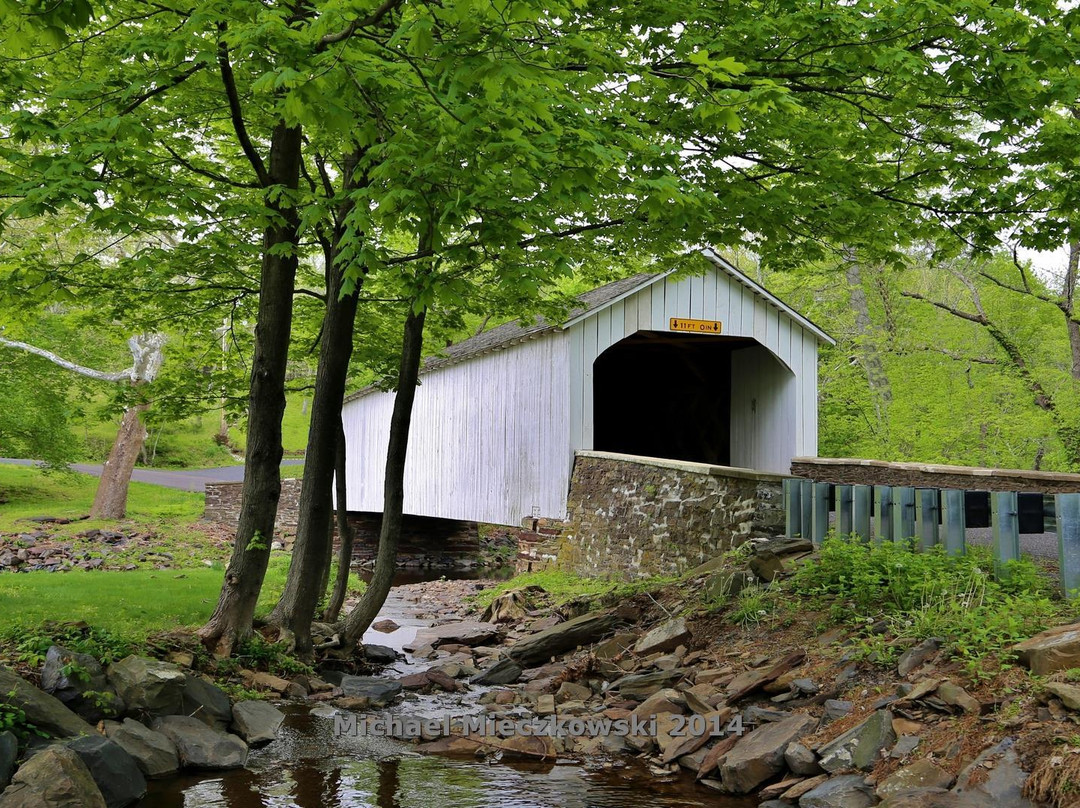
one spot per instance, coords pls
(710, 368)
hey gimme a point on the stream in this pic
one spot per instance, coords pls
(308, 766)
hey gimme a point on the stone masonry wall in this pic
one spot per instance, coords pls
(425, 541)
(632, 517)
(848, 471)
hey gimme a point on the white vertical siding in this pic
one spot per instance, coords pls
(489, 443)
(763, 411)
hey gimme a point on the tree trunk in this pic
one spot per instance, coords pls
(310, 564)
(1069, 307)
(346, 536)
(232, 618)
(110, 501)
(358, 620)
(869, 356)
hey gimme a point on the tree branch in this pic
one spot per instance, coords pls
(374, 18)
(236, 113)
(90, 373)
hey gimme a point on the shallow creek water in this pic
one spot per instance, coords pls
(309, 767)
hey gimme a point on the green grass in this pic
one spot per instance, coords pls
(563, 586)
(31, 492)
(132, 605)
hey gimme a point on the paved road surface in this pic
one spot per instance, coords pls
(186, 480)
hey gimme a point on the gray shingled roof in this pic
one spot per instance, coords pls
(518, 330)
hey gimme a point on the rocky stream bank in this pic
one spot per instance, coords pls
(784, 716)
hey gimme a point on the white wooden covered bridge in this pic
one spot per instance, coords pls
(710, 368)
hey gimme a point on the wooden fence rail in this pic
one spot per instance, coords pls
(934, 517)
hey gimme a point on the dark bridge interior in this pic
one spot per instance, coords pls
(666, 395)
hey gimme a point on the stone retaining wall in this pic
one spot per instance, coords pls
(223, 503)
(633, 516)
(848, 471)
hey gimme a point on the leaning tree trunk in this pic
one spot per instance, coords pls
(110, 500)
(311, 550)
(358, 620)
(235, 611)
(346, 537)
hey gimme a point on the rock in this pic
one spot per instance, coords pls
(9, 757)
(386, 626)
(995, 778)
(55, 777)
(931, 798)
(504, 672)
(207, 702)
(861, 746)
(801, 760)
(956, 696)
(465, 632)
(572, 691)
(849, 791)
(917, 656)
(724, 585)
(760, 755)
(45, 712)
(429, 680)
(265, 681)
(509, 607)
(664, 637)
(256, 722)
(380, 654)
(540, 647)
(545, 704)
(786, 545)
(1069, 694)
(115, 771)
(642, 685)
(920, 775)
(148, 686)
(201, 747)
(154, 753)
(83, 673)
(1052, 650)
(766, 565)
(614, 646)
(379, 692)
(905, 744)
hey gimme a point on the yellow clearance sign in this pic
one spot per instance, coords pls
(695, 326)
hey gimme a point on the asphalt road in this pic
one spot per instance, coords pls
(186, 480)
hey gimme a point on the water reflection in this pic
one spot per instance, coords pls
(310, 768)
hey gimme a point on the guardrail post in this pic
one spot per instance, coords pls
(955, 522)
(903, 511)
(883, 506)
(861, 498)
(926, 517)
(1005, 522)
(792, 507)
(821, 513)
(806, 502)
(1067, 516)
(843, 510)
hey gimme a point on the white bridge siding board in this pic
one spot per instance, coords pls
(494, 433)
(503, 456)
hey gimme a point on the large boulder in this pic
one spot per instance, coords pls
(921, 774)
(148, 686)
(79, 681)
(503, 672)
(206, 702)
(201, 747)
(379, 692)
(995, 778)
(464, 632)
(1052, 650)
(115, 771)
(542, 646)
(665, 637)
(640, 686)
(759, 756)
(9, 757)
(861, 746)
(932, 798)
(849, 791)
(154, 753)
(55, 777)
(45, 712)
(256, 721)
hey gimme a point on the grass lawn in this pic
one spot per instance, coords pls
(26, 492)
(128, 603)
